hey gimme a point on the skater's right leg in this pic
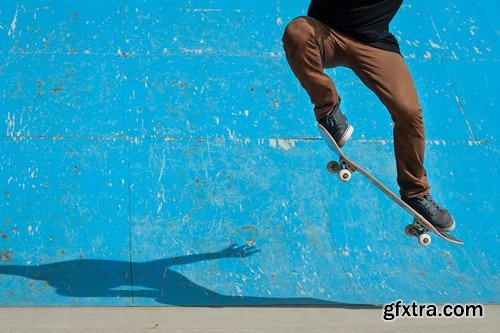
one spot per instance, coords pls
(387, 74)
(311, 46)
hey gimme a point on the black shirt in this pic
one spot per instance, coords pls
(364, 20)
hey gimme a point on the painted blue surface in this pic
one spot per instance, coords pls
(146, 145)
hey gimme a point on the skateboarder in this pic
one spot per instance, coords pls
(355, 34)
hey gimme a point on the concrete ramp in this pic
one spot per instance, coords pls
(163, 153)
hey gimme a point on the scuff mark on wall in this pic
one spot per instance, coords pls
(13, 24)
(285, 144)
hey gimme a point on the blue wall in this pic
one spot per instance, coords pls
(146, 144)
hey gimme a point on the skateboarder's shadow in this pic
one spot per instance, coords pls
(151, 279)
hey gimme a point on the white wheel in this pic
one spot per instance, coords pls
(424, 239)
(344, 175)
(409, 231)
(332, 167)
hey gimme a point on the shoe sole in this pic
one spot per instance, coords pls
(447, 229)
(346, 136)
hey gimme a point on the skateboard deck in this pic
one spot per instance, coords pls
(345, 167)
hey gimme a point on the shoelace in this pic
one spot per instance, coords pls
(330, 120)
(428, 200)
(335, 119)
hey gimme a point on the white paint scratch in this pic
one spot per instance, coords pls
(434, 45)
(11, 124)
(162, 167)
(285, 144)
(272, 143)
(231, 134)
(160, 206)
(13, 24)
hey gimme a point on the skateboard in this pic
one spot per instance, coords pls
(344, 169)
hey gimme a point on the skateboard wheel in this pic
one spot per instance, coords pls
(344, 175)
(332, 167)
(409, 231)
(424, 239)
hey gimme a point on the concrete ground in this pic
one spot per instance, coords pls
(275, 320)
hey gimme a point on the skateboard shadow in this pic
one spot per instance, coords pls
(152, 279)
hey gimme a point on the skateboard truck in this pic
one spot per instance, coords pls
(343, 169)
(418, 230)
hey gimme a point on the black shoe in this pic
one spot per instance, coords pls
(432, 212)
(336, 125)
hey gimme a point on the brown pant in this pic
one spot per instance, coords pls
(311, 46)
